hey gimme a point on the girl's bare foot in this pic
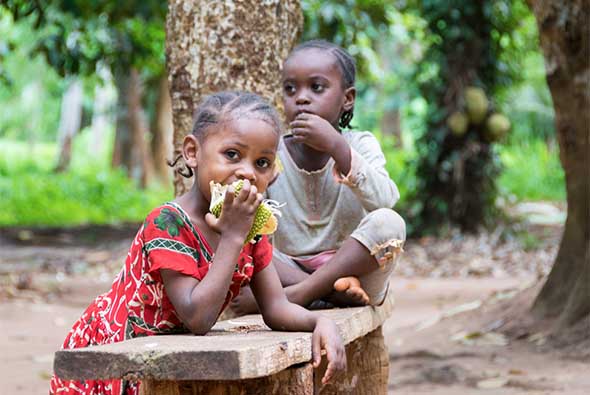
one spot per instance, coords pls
(351, 287)
(244, 303)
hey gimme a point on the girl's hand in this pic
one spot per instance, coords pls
(326, 337)
(315, 132)
(237, 213)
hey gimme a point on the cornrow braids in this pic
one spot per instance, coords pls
(346, 64)
(223, 107)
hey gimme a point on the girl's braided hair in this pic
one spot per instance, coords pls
(226, 106)
(345, 62)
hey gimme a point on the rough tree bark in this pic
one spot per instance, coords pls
(564, 30)
(229, 45)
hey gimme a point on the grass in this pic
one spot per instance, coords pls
(92, 193)
(89, 192)
(532, 171)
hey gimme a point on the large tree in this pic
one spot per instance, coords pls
(229, 45)
(461, 70)
(564, 31)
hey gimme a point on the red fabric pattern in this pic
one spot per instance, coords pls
(137, 304)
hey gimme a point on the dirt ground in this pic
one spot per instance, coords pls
(453, 330)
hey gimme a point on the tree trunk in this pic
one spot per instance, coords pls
(162, 132)
(391, 125)
(141, 158)
(69, 123)
(565, 39)
(229, 45)
(457, 172)
(122, 142)
(391, 120)
(101, 117)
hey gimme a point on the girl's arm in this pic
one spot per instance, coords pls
(280, 314)
(367, 176)
(198, 303)
(359, 164)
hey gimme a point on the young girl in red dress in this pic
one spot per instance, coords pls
(185, 265)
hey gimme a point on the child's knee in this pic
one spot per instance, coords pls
(382, 225)
(383, 232)
(389, 223)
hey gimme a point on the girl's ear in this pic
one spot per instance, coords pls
(190, 149)
(349, 97)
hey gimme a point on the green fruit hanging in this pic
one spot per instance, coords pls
(497, 126)
(265, 219)
(476, 103)
(458, 123)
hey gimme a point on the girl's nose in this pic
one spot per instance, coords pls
(246, 173)
(302, 98)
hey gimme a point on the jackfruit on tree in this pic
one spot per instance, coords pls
(458, 123)
(497, 126)
(476, 103)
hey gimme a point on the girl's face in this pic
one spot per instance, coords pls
(237, 149)
(312, 83)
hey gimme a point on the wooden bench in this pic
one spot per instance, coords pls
(240, 356)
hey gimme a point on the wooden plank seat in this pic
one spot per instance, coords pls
(240, 356)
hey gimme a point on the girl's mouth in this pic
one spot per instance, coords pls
(302, 112)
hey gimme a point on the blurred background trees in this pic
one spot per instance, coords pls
(416, 60)
(455, 90)
(459, 76)
(104, 42)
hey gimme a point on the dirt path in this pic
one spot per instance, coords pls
(445, 335)
(422, 360)
(440, 351)
(33, 330)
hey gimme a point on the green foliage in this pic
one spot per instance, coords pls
(32, 194)
(76, 35)
(30, 94)
(529, 104)
(532, 171)
(407, 52)
(401, 168)
(467, 47)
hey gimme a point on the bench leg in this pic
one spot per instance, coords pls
(297, 380)
(368, 368)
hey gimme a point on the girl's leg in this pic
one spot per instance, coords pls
(369, 254)
(352, 259)
(289, 274)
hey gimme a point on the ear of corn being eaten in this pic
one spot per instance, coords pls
(265, 219)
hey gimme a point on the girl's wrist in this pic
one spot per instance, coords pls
(320, 319)
(231, 239)
(341, 154)
(338, 146)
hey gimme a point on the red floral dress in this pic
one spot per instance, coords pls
(137, 304)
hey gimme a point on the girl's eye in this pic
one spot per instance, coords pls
(231, 154)
(289, 89)
(263, 163)
(316, 87)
